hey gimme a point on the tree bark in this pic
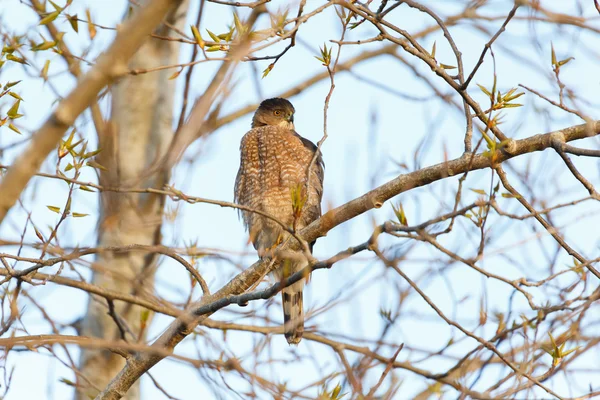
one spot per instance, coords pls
(138, 134)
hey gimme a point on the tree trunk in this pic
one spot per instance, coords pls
(137, 135)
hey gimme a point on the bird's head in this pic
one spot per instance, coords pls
(277, 111)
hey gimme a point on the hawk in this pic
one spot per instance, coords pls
(274, 178)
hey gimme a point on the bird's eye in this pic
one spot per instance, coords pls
(277, 112)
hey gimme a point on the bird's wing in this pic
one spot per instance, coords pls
(240, 190)
(316, 179)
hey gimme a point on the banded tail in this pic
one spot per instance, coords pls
(293, 312)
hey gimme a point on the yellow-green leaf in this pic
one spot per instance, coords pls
(67, 382)
(399, 211)
(16, 59)
(213, 36)
(54, 209)
(479, 191)
(86, 189)
(176, 74)
(238, 24)
(228, 35)
(144, 315)
(16, 96)
(92, 153)
(563, 62)
(484, 90)
(94, 164)
(444, 66)
(49, 18)
(508, 96)
(74, 21)
(11, 84)
(267, 70)
(91, 27)
(14, 128)
(14, 110)
(44, 73)
(197, 36)
(44, 45)
(56, 6)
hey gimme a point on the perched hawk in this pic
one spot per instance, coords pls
(274, 165)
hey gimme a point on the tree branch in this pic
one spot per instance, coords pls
(109, 66)
(199, 311)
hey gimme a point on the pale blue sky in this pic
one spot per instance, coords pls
(355, 152)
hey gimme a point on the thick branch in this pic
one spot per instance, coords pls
(468, 162)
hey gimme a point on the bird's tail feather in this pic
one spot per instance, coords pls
(293, 312)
